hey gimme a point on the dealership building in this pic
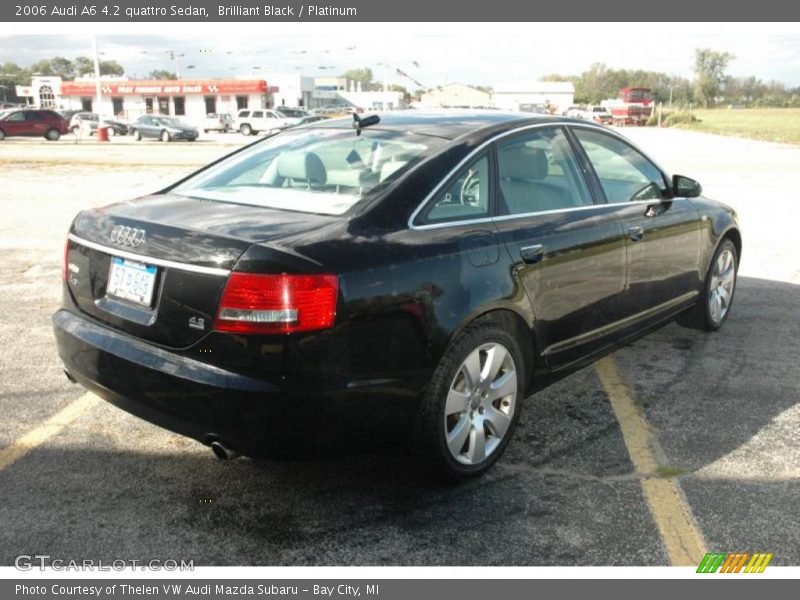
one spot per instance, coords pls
(191, 99)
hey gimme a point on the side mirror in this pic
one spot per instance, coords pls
(686, 187)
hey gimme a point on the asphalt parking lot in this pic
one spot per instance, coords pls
(678, 444)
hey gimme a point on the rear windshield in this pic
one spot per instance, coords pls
(324, 171)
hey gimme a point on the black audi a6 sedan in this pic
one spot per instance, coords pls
(418, 274)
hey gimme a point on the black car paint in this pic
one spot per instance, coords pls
(405, 293)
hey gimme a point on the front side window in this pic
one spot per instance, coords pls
(324, 171)
(257, 114)
(624, 173)
(465, 197)
(538, 172)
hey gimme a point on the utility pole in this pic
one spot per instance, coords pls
(97, 90)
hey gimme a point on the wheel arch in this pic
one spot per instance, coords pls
(514, 323)
(735, 236)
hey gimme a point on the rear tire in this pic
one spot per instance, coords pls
(2, 135)
(52, 135)
(714, 305)
(472, 404)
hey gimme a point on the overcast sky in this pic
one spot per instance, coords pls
(470, 53)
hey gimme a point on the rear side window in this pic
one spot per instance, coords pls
(625, 174)
(539, 172)
(257, 114)
(465, 197)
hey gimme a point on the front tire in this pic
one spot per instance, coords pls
(246, 130)
(2, 135)
(136, 135)
(165, 137)
(714, 305)
(469, 411)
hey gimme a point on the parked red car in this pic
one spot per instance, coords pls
(34, 122)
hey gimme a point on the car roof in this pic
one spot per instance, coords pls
(448, 124)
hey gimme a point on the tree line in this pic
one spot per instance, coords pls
(12, 74)
(712, 86)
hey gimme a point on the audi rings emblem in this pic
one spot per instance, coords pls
(127, 236)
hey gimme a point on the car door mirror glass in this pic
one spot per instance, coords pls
(686, 187)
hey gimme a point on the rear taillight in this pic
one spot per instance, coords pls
(255, 303)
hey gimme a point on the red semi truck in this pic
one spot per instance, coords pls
(633, 107)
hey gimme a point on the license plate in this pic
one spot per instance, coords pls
(131, 280)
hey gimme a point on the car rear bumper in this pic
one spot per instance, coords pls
(207, 403)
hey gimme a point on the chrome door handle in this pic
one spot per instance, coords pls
(532, 254)
(636, 233)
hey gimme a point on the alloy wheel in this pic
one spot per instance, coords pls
(480, 403)
(723, 280)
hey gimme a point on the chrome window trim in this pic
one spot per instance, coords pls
(160, 262)
(499, 136)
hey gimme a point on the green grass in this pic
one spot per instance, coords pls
(769, 124)
(669, 471)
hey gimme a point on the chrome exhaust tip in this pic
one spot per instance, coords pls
(222, 452)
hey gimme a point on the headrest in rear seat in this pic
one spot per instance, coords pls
(523, 162)
(301, 166)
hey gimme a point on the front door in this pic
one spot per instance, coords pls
(662, 232)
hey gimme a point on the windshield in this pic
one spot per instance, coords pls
(323, 170)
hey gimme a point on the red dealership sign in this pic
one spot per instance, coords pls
(153, 87)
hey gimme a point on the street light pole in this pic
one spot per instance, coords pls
(176, 58)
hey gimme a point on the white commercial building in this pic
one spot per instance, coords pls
(292, 90)
(534, 96)
(455, 95)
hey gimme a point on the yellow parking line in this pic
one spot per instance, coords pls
(682, 539)
(36, 437)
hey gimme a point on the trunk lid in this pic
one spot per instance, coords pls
(156, 267)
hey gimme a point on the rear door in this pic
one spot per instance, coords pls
(257, 121)
(567, 251)
(662, 232)
(35, 123)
